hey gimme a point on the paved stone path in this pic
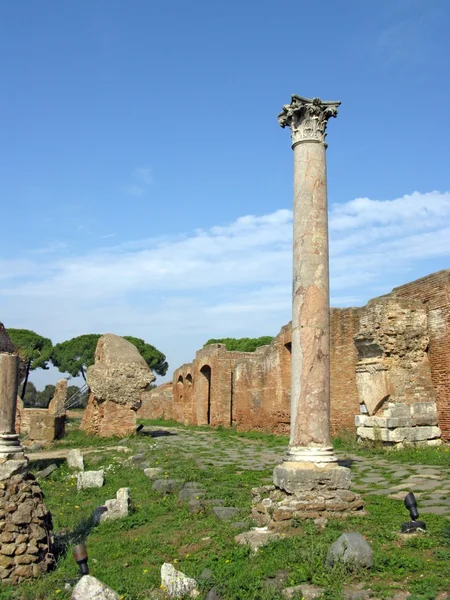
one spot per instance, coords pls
(430, 484)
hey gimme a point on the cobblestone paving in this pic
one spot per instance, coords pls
(430, 484)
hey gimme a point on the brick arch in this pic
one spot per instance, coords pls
(204, 395)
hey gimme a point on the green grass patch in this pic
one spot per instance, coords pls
(128, 554)
(412, 455)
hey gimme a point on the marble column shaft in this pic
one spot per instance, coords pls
(9, 376)
(310, 379)
(9, 373)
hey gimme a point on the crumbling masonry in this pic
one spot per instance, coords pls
(390, 360)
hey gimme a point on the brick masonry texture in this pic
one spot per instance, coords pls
(396, 349)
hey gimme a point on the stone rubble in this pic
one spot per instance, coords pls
(277, 509)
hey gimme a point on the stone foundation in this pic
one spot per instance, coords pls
(25, 525)
(305, 491)
(401, 424)
(278, 509)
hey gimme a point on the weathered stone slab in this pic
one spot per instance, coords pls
(90, 588)
(256, 537)
(90, 479)
(118, 507)
(75, 459)
(301, 477)
(176, 583)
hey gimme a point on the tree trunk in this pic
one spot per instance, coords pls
(24, 386)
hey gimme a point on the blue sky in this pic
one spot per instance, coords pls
(146, 185)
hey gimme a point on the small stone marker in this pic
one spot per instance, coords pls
(90, 588)
(351, 548)
(75, 459)
(90, 479)
(176, 583)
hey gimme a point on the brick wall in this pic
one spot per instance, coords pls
(344, 323)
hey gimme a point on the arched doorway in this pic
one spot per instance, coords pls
(206, 392)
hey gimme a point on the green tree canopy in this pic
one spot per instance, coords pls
(155, 359)
(242, 344)
(76, 355)
(34, 349)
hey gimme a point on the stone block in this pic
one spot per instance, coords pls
(351, 548)
(46, 427)
(424, 413)
(116, 508)
(396, 410)
(90, 588)
(301, 477)
(75, 459)
(90, 479)
(177, 584)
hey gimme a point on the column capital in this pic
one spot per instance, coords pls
(307, 118)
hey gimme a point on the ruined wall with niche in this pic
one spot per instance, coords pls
(44, 424)
(389, 360)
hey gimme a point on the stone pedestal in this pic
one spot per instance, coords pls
(25, 522)
(309, 481)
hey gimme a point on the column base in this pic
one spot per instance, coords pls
(10, 446)
(318, 455)
(314, 487)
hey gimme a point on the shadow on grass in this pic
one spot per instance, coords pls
(156, 433)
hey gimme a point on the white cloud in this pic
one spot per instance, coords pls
(230, 280)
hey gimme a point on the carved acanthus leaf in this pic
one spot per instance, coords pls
(307, 118)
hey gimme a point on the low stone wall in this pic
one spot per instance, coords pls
(44, 424)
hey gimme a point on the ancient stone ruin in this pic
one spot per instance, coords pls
(25, 522)
(391, 355)
(44, 424)
(117, 382)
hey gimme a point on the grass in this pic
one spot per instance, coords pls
(412, 455)
(128, 554)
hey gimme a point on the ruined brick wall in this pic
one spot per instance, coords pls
(157, 403)
(261, 387)
(434, 292)
(396, 349)
(108, 419)
(344, 323)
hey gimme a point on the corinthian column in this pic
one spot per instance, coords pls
(310, 445)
